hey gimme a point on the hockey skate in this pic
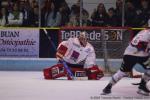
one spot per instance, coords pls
(143, 90)
(107, 90)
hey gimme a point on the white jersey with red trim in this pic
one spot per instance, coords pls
(76, 53)
(142, 36)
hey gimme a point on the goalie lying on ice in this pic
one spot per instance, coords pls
(79, 55)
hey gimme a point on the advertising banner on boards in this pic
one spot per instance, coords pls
(114, 39)
(19, 42)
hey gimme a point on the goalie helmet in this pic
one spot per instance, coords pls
(83, 38)
(83, 34)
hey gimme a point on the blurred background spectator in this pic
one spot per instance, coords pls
(44, 9)
(130, 15)
(27, 10)
(112, 19)
(2, 17)
(99, 16)
(56, 13)
(143, 13)
(35, 20)
(75, 15)
(53, 16)
(65, 12)
(118, 10)
(15, 16)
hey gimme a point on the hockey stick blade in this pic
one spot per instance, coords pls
(135, 83)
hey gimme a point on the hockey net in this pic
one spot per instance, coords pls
(113, 50)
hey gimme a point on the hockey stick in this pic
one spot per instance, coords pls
(45, 31)
(135, 83)
(62, 61)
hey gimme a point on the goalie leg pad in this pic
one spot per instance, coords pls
(54, 72)
(94, 73)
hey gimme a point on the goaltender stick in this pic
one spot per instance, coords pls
(79, 55)
(136, 52)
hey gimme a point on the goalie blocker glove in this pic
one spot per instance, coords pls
(61, 51)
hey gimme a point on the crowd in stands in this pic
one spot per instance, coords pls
(19, 13)
(57, 13)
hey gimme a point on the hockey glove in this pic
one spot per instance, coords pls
(61, 51)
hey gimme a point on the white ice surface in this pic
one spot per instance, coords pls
(15, 85)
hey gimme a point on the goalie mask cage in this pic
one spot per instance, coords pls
(109, 43)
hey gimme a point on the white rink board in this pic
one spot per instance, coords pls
(38, 64)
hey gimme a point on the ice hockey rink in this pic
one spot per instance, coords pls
(30, 85)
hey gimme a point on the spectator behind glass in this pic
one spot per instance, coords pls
(65, 12)
(99, 16)
(143, 13)
(118, 10)
(33, 3)
(2, 16)
(45, 7)
(52, 17)
(35, 16)
(130, 15)
(73, 20)
(75, 16)
(58, 3)
(112, 19)
(85, 18)
(27, 11)
(15, 17)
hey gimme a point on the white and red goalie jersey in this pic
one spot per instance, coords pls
(140, 44)
(74, 53)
